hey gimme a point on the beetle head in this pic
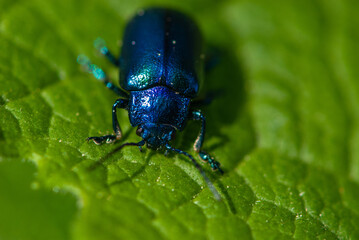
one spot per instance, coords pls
(155, 135)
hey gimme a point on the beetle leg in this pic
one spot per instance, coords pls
(99, 74)
(195, 163)
(100, 45)
(120, 103)
(213, 163)
(117, 90)
(197, 115)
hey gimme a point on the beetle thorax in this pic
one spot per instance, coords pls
(158, 105)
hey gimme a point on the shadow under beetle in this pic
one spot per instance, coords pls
(162, 67)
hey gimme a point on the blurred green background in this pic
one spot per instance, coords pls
(286, 130)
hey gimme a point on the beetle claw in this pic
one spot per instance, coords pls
(100, 140)
(210, 160)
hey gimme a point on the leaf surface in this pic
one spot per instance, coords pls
(285, 130)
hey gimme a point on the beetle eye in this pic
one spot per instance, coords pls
(139, 131)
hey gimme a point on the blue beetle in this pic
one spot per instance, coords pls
(161, 66)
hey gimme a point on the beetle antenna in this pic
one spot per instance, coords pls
(206, 179)
(139, 144)
(103, 159)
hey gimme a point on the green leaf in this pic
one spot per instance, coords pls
(286, 130)
(28, 212)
